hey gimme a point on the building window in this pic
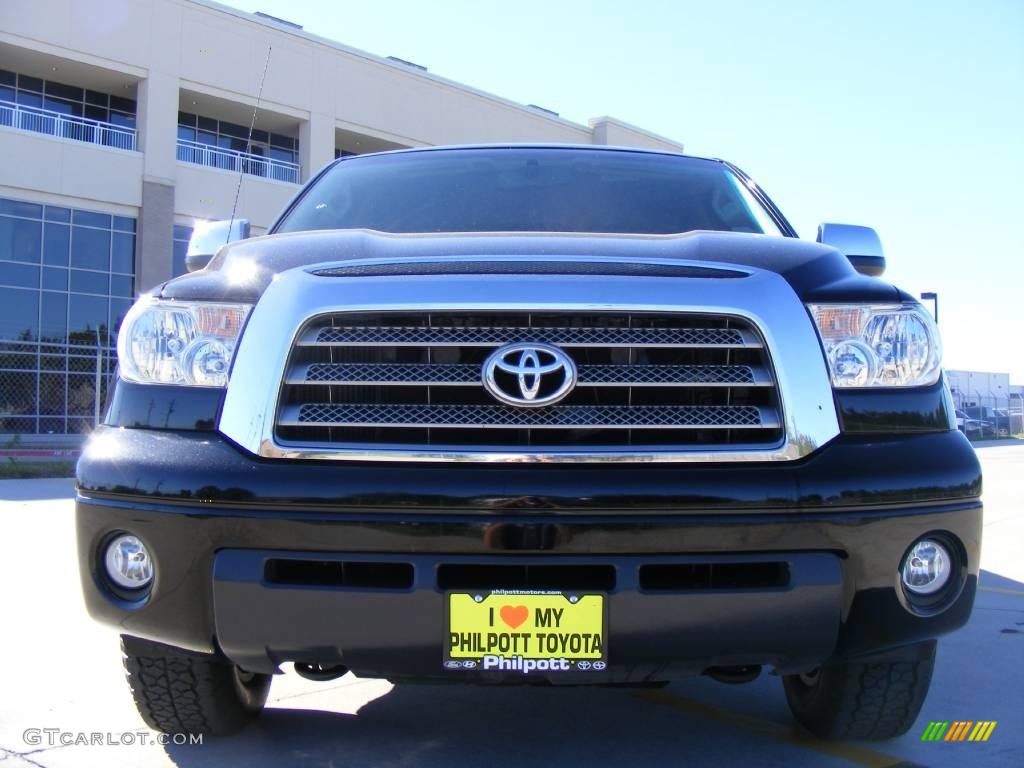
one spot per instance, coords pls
(225, 145)
(30, 103)
(67, 278)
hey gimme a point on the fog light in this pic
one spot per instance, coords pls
(926, 568)
(128, 562)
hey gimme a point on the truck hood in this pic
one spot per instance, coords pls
(241, 271)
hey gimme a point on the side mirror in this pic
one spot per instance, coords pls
(208, 237)
(859, 244)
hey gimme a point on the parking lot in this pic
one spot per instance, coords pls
(61, 671)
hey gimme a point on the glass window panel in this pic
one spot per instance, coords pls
(27, 99)
(86, 315)
(55, 279)
(206, 124)
(282, 154)
(56, 243)
(51, 397)
(118, 309)
(124, 223)
(95, 97)
(97, 113)
(182, 232)
(178, 261)
(19, 208)
(64, 107)
(64, 91)
(122, 285)
(55, 359)
(20, 318)
(123, 105)
(91, 218)
(286, 142)
(56, 213)
(20, 423)
(19, 275)
(7, 78)
(6, 94)
(54, 316)
(51, 393)
(186, 134)
(90, 248)
(53, 426)
(205, 137)
(30, 83)
(123, 253)
(261, 136)
(86, 281)
(231, 129)
(20, 240)
(121, 119)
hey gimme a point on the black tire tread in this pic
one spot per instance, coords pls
(869, 701)
(192, 695)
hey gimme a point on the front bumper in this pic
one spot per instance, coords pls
(840, 521)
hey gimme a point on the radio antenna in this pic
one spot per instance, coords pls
(248, 143)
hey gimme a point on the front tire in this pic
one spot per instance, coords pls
(180, 692)
(863, 700)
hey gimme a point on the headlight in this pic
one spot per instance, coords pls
(879, 346)
(178, 342)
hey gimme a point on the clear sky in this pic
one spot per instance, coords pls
(903, 115)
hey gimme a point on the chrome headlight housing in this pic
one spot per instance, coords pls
(892, 345)
(179, 342)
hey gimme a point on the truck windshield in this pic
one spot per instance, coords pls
(529, 190)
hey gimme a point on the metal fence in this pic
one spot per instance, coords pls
(51, 388)
(984, 416)
(66, 126)
(238, 162)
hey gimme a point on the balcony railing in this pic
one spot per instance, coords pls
(66, 126)
(238, 162)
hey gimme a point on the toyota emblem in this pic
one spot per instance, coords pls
(529, 374)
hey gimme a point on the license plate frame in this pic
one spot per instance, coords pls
(525, 631)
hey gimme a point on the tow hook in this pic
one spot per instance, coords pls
(320, 672)
(734, 675)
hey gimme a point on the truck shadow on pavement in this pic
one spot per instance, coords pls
(478, 726)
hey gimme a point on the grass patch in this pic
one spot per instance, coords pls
(13, 469)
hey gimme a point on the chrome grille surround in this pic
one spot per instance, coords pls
(805, 413)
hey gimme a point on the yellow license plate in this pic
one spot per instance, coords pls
(526, 631)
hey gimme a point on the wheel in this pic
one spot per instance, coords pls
(180, 692)
(865, 700)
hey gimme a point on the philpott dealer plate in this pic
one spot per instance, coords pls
(526, 631)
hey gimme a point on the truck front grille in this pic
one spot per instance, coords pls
(399, 380)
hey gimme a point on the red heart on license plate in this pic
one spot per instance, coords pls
(514, 615)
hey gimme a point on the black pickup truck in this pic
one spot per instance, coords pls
(531, 415)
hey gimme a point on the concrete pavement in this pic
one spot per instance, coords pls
(62, 671)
